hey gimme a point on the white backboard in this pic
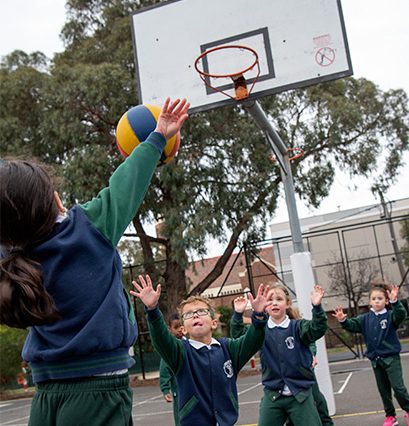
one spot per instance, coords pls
(299, 43)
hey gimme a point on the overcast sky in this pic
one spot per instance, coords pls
(378, 36)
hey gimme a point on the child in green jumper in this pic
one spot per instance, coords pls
(167, 380)
(237, 329)
(205, 368)
(286, 361)
(378, 327)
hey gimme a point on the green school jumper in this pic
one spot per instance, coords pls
(275, 408)
(383, 346)
(92, 389)
(237, 329)
(202, 403)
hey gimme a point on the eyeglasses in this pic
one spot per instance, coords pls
(202, 312)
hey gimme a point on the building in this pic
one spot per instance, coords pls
(368, 237)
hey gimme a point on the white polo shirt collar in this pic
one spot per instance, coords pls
(284, 324)
(199, 345)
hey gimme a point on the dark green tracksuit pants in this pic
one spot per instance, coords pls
(388, 375)
(96, 401)
(275, 411)
(321, 405)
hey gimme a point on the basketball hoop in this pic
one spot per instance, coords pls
(239, 81)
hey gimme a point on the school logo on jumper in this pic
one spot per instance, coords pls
(289, 341)
(384, 323)
(228, 369)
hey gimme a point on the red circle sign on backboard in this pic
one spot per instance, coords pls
(325, 56)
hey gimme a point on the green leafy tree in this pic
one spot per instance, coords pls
(222, 184)
(12, 340)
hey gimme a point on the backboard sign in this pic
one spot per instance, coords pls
(298, 42)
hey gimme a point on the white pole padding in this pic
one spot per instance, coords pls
(304, 283)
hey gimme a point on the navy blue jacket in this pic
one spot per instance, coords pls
(379, 331)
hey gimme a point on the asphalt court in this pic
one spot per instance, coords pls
(356, 398)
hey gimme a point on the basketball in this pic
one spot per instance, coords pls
(136, 125)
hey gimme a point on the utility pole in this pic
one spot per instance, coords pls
(387, 213)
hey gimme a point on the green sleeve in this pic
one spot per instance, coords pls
(237, 327)
(354, 325)
(314, 329)
(244, 347)
(115, 206)
(165, 376)
(398, 313)
(165, 343)
(313, 348)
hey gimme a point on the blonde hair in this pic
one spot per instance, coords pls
(291, 311)
(194, 299)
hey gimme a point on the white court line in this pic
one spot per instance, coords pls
(249, 389)
(14, 420)
(147, 400)
(156, 413)
(14, 409)
(344, 385)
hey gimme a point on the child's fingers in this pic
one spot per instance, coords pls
(142, 281)
(251, 298)
(158, 290)
(166, 105)
(137, 286)
(149, 281)
(173, 105)
(266, 291)
(134, 293)
(180, 107)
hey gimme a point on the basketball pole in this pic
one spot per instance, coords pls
(301, 259)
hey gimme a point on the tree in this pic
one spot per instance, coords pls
(12, 340)
(222, 184)
(352, 280)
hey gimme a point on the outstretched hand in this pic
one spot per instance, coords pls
(172, 117)
(262, 301)
(240, 304)
(393, 293)
(145, 292)
(316, 295)
(339, 314)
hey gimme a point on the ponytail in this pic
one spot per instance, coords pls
(28, 214)
(24, 301)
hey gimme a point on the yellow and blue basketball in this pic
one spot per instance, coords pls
(136, 125)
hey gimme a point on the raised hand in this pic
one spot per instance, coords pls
(262, 301)
(339, 314)
(172, 117)
(393, 293)
(316, 295)
(145, 292)
(240, 304)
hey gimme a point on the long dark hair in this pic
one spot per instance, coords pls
(28, 214)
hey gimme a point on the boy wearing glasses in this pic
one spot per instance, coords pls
(206, 369)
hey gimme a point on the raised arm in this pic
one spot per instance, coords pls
(237, 327)
(116, 205)
(167, 345)
(243, 348)
(399, 313)
(312, 330)
(352, 324)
